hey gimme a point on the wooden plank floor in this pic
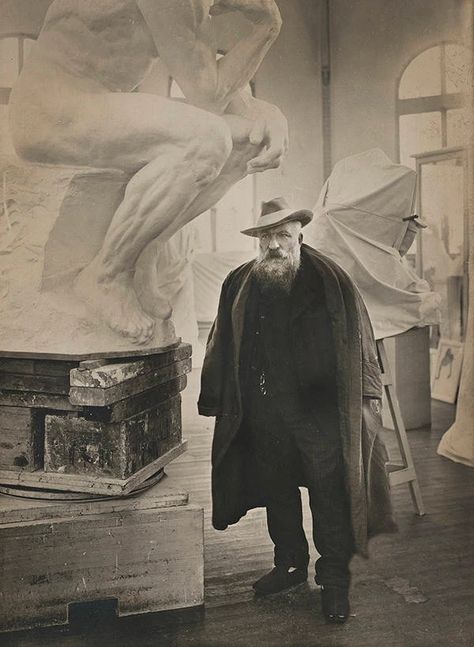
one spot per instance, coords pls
(416, 590)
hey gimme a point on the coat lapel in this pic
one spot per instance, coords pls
(302, 299)
(305, 292)
(238, 319)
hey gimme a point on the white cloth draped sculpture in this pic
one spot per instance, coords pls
(361, 221)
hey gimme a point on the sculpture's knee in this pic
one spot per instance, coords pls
(209, 150)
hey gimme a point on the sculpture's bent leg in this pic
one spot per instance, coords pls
(155, 197)
(234, 170)
(181, 161)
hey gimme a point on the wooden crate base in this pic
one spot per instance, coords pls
(146, 552)
(99, 426)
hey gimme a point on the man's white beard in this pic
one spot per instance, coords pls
(276, 270)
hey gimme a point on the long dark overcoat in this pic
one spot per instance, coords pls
(358, 383)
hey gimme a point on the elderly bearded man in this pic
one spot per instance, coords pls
(282, 374)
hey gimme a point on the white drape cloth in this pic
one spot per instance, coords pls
(359, 223)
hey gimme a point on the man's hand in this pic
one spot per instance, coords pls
(255, 10)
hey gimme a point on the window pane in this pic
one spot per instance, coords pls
(422, 77)
(458, 122)
(8, 61)
(457, 68)
(419, 134)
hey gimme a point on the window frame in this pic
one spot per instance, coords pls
(440, 103)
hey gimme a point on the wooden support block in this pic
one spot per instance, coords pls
(18, 510)
(109, 372)
(88, 484)
(117, 449)
(21, 439)
(32, 376)
(31, 400)
(142, 552)
(66, 496)
(137, 403)
(101, 396)
(37, 367)
(35, 383)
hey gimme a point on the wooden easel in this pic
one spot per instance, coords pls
(399, 472)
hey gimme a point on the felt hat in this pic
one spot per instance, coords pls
(276, 212)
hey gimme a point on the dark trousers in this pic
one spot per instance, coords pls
(289, 448)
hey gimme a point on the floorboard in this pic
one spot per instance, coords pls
(417, 589)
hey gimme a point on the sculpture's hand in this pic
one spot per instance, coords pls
(254, 10)
(270, 129)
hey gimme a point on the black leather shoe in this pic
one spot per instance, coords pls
(280, 579)
(335, 604)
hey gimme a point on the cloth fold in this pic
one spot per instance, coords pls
(361, 221)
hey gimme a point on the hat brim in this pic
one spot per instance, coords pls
(304, 216)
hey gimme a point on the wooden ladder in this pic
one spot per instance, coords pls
(399, 472)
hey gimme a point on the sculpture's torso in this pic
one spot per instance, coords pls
(104, 41)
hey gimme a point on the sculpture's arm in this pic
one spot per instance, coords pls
(270, 128)
(182, 32)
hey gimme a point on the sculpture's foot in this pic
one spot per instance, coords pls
(116, 303)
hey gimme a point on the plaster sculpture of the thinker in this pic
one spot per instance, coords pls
(74, 104)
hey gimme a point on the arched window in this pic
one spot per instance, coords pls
(433, 122)
(431, 102)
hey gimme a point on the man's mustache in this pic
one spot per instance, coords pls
(275, 253)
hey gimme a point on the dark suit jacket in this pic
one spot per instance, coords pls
(358, 379)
